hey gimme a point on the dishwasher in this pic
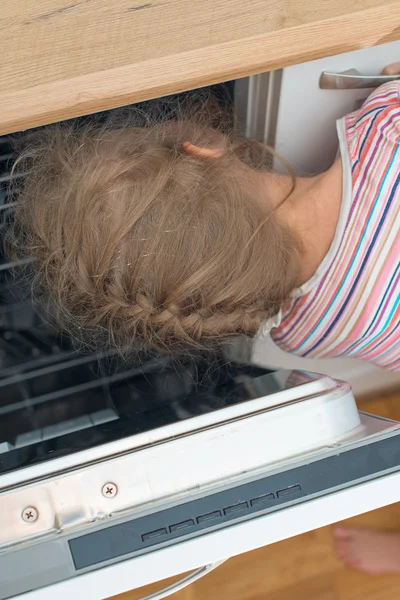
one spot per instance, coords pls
(115, 474)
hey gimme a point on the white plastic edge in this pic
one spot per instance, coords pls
(220, 545)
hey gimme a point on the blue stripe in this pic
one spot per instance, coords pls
(366, 136)
(385, 338)
(369, 112)
(353, 260)
(387, 103)
(385, 326)
(388, 287)
(365, 261)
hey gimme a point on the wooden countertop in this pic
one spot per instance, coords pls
(64, 58)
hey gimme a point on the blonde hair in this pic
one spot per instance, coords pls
(136, 241)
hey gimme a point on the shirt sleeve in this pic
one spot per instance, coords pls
(378, 116)
(384, 96)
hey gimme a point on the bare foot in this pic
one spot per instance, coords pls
(367, 550)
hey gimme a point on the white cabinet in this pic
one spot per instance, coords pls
(305, 129)
(288, 110)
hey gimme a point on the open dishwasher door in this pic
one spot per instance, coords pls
(114, 475)
(190, 473)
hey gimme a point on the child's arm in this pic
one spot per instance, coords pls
(387, 94)
(393, 69)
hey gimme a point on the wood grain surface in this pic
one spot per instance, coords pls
(64, 58)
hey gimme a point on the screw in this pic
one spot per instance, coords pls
(109, 490)
(30, 514)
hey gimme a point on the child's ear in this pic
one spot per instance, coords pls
(202, 152)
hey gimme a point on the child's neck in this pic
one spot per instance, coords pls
(312, 211)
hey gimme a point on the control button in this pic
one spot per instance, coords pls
(154, 534)
(182, 525)
(209, 516)
(236, 508)
(261, 500)
(289, 491)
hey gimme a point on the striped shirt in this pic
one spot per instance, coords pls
(351, 306)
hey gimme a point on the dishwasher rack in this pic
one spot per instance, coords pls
(47, 387)
(50, 392)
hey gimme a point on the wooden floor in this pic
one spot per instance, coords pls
(302, 568)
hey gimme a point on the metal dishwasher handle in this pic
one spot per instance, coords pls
(352, 80)
(182, 583)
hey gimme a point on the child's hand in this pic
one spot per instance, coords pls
(393, 69)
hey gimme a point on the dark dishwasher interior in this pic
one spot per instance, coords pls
(55, 401)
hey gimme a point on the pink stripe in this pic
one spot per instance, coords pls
(374, 299)
(370, 158)
(299, 333)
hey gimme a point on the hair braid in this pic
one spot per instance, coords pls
(205, 323)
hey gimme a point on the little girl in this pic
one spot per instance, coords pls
(169, 236)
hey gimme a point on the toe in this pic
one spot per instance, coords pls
(343, 557)
(347, 555)
(342, 533)
(343, 552)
